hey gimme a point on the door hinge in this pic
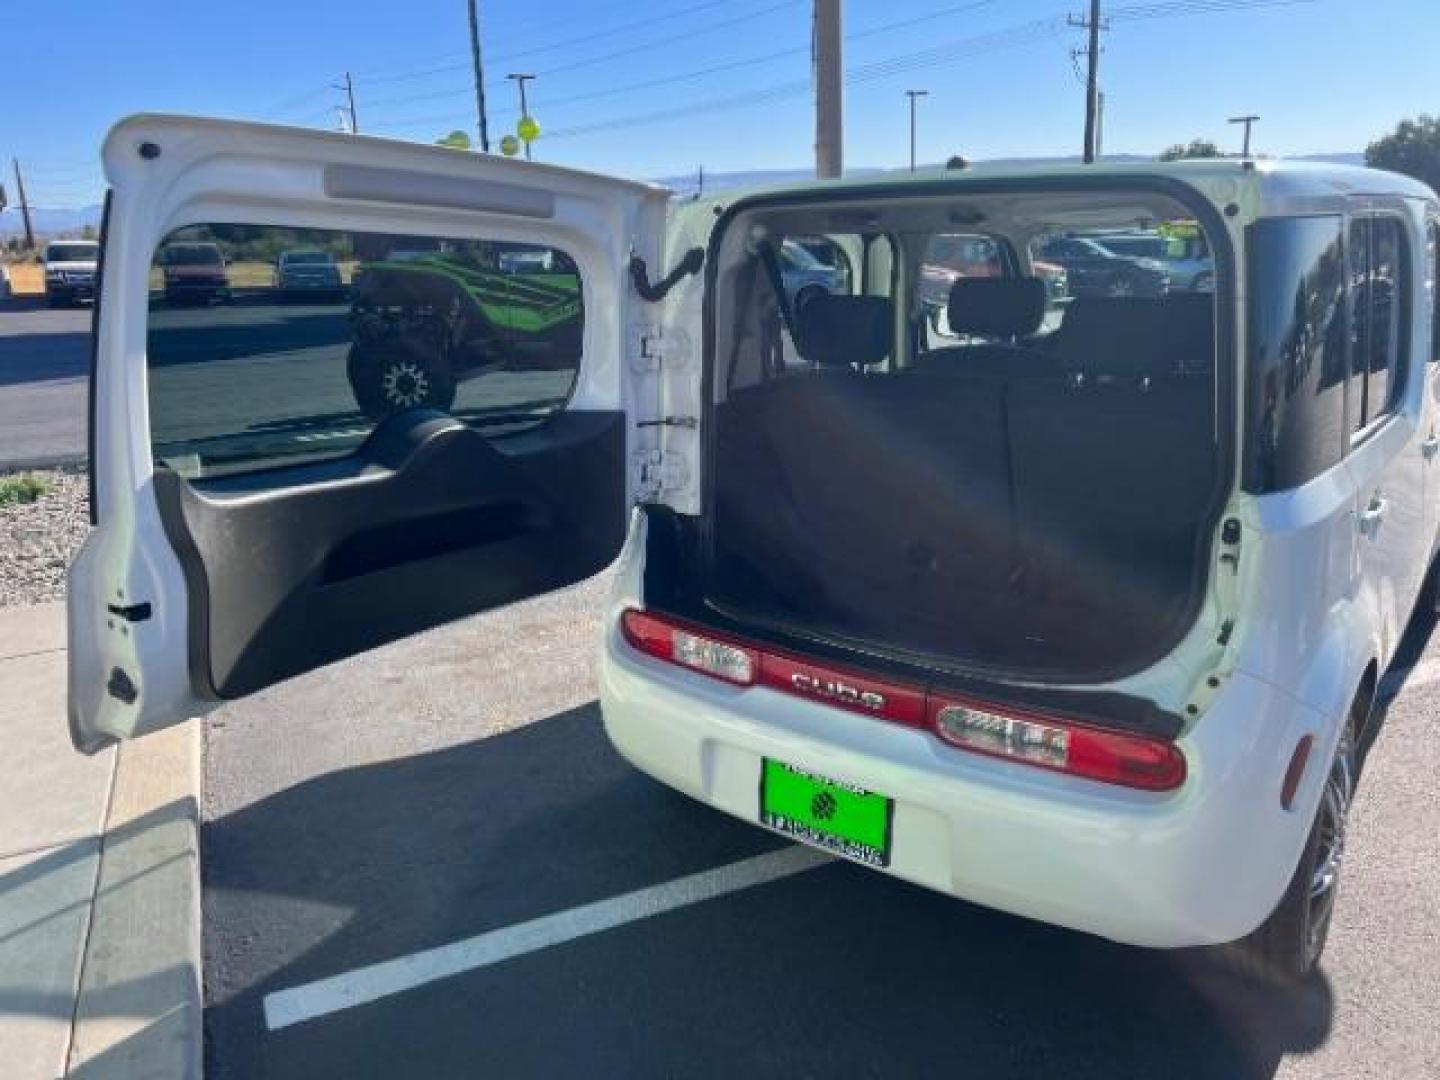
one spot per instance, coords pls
(653, 346)
(648, 351)
(657, 472)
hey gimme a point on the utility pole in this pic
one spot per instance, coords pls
(1093, 24)
(479, 77)
(520, 81)
(829, 99)
(1248, 121)
(1100, 125)
(914, 96)
(24, 205)
(349, 87)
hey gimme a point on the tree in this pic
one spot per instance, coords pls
(1198, 148)
(1413, 148)
(456, 140)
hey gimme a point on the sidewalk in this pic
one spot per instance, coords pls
(99, 882)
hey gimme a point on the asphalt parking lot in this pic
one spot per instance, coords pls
(450, 804)
(44, 372)
(440, 831)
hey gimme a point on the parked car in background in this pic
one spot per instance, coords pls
(952, 256)
(70, 270)
(1186, 261)
(194, 273)
(805, 276)
(310, 273)
(1095, 270)
(427, 322)
(4, 282)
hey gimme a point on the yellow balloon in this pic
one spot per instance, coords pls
(509, 146)
(528, 129)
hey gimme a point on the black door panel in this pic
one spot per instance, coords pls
(427, 522)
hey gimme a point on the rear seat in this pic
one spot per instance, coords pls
(893, 503)
(1102, 522)
(1006, 312)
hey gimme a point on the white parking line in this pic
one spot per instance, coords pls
(367, 984)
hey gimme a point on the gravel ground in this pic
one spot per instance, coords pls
(38, 540)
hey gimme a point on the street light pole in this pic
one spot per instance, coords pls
(520, 81)
(914, 96)
(1248, 121)
(479, 77)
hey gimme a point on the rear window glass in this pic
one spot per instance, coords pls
(72, 253)
(253, 365)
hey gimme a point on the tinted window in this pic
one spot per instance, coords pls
(253, 369)
(1296, 377)
(1379, 281)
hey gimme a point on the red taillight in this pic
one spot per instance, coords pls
(1111, 757)
(1129, 760)
(680, 644)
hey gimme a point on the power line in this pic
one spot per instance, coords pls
(562, 43)
(687, 76)
(964, 48)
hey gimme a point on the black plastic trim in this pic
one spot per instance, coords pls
(427, 522)
(90, 396)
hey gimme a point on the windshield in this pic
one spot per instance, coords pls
(306, 258)
(193, 255)
(72, 253)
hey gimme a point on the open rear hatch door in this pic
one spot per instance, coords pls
(255, 516)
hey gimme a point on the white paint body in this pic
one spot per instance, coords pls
(1314, 601)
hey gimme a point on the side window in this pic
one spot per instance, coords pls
(270, 347)
(1378, 272)
(1296, 375)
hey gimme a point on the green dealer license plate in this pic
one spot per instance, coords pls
(827, 813)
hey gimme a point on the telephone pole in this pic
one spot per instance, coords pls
(479, 77)
(914, 96)
(24, 205)
(349, 87)
(829, 99)
(1248, 121)
(1092, 23)
(520, 81)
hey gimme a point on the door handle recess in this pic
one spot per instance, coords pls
(1373, 515)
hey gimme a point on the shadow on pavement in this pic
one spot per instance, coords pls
(836, 971)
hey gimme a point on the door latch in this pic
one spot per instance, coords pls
(130, 612)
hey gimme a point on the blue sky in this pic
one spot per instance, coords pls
(1327, 75)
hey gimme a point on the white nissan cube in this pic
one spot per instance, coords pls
(1071, 603)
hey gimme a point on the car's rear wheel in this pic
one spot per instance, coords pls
(1287, 946)
(393, 379)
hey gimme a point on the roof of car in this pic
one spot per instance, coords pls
(1279, 180)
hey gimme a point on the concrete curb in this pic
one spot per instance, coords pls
(139, 1011)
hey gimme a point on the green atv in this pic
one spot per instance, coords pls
(423, 324)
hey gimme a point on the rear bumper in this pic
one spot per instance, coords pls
(1202, 865)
